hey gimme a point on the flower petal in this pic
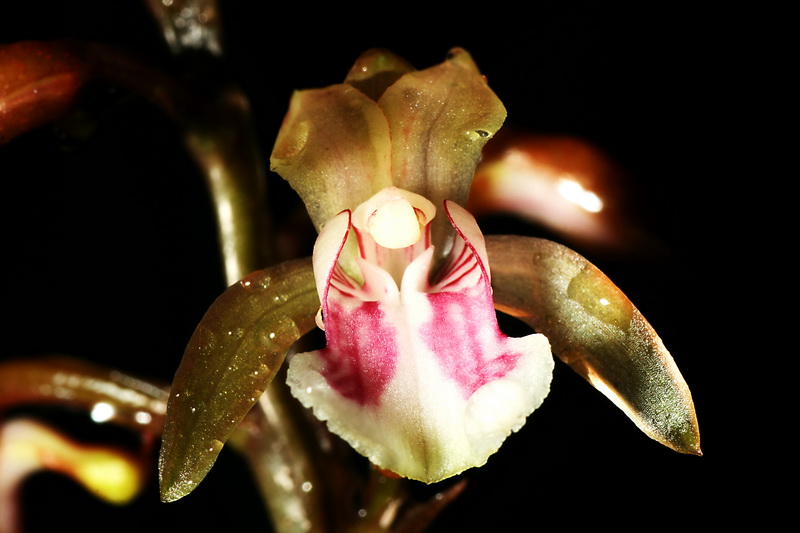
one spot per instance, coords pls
(596, 330)
(422, 383)
(467, 257)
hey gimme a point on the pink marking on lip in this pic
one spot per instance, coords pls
(464, 333)
(467, 341)
(362, 362)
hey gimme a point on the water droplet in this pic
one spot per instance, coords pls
(142, 417)
(253, 282)
(103, 412)
(306, 486)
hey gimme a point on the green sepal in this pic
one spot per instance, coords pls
(595, 329)
(232, 356)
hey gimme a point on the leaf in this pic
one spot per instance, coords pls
(597, 331)
(232, 356)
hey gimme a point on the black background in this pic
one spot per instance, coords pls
(109, 250)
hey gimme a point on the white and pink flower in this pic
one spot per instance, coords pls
(416, 374)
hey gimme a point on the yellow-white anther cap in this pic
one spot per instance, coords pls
(394, 217)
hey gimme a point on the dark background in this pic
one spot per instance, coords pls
(109, 249)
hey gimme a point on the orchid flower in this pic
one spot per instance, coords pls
(415, 374)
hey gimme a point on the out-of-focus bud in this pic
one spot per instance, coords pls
(38, 83)
(27, 446)
(564, 184)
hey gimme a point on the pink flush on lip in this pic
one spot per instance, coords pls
(416, 374)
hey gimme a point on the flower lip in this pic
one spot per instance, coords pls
(415, 376)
